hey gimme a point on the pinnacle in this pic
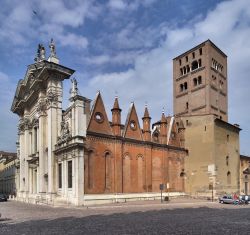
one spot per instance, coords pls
(116, 103)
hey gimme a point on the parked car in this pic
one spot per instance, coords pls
(228, 200)
(3, 198)
(245, 199)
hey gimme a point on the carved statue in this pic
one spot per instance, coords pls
(74, 89)
(52, 47)
(40, 53)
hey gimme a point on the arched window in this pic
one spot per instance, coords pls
(181, 87)
(228, 177)
(195, 81)
(181, 70)
(184, 70)
(188, 69)
(107, 156)
(126, 173)
(199, 63)
(185, 86)
(195, 65)
(199, 80)
(227, 160)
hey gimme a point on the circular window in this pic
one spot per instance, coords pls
(133, 125)
(99, 117)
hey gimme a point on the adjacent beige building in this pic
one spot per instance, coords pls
(213, 157)
(244, 174)
(8, 173)
(200, 81)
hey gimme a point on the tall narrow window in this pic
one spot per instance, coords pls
(228, 177)
(195, 81)
(107, 170)
(227, 138)
(193, 54)
(60, 175)
(186, 105)
(185, 86)
(199, 63)
(186, 58)
(227, 160)
(180, 61)
(69, 174)
(199, 80)
(200, 50)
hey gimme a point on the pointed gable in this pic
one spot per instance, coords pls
(99, 122)
(132, 128)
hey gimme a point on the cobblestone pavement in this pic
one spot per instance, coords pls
(147, 217)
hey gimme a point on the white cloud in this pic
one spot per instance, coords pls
(151, 78)
(117, 4)
(73, 40)
(123, 5)
(32, 19)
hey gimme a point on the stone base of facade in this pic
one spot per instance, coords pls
(91, 199)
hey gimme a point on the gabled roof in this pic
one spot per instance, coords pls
(132, 128)
(99, 122)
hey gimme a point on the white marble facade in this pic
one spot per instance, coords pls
(51, 141)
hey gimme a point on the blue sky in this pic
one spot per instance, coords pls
(124, 47)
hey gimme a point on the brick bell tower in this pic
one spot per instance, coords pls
(200, 84)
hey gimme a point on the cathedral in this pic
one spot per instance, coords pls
(77, 155)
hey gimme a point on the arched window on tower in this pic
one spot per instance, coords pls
(185, 86)
(199, 80)
(184, 70)
(199, 63)
(181, 71)
(195, 65)
(195, 81)
(181, 87)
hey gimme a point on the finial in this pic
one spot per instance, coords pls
(163, 110)
(146, 104)
(116, 95)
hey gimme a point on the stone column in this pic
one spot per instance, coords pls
(26, 154)
(52, 138)
(41, 146)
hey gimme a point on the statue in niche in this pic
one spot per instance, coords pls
(65, 132)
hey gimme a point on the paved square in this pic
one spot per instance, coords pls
(148, 217)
